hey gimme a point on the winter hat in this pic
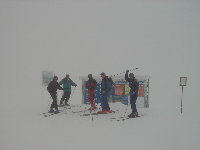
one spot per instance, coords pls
(103, 74)
(89, 75)
(55, 78)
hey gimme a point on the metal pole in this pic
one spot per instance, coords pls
(182, 101)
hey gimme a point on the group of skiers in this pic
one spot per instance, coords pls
(52, 89)
(91, 84)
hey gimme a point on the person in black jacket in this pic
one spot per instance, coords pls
(134, 85)
(52, 89)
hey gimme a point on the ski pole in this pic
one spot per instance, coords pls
(48, 106)
(72, 94)
(123, 72)
(126, 111)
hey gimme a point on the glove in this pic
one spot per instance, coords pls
(132, 93)
(104, 91)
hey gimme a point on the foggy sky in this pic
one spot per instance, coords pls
(78, 37)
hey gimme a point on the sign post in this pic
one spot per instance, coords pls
(47, 76)
(183, 82)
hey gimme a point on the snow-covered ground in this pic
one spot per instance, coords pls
(25, 128)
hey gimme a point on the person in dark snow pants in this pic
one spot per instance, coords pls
(52, 88)
(106, 86)
(66, 83)
(134, 85)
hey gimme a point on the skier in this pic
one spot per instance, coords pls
(91, 84)
(134, 85)
(66, 83)
(106, 86)
(52, 89)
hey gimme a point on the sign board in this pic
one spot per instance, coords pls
(119, 89)
(183, 81)
(47, 77)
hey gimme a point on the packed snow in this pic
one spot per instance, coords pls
(27, 128)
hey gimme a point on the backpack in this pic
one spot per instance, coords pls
(111, 81)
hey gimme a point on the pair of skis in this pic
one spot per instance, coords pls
(95, 113)
(48, 114)
(123, 118)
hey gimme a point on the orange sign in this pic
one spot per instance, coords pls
(141, 90)
(119, 89)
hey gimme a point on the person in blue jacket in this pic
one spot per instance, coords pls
(66, 83)
(106, 86)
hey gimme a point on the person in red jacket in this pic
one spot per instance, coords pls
(91, 84)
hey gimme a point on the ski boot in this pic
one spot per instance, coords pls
(104, 111)
(51, 111)
(66, 104)
(92, 108)
(56, 111)
(133, 115)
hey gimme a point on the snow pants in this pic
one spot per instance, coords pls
(133, 98)
(54, 103)
(104, 101)
(91, 97)
(65, 97)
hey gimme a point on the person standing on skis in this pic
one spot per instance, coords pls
(106, 86)
(52, 89)
(66, 83)
(91, 84)
(134, 85)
